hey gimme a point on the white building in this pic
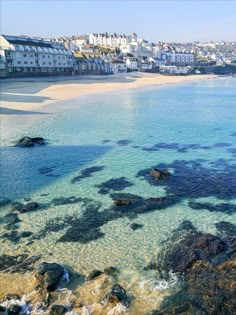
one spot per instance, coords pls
(118, 66)
(113, 40)
(131, 63)
(178, 58)
(27, 56)
(174, 70)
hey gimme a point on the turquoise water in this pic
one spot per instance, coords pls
(189, 129)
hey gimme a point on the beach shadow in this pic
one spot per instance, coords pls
(20, 167)
(17, 98)
(10, 111)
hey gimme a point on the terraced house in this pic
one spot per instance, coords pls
(25, 56)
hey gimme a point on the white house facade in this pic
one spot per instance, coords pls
(23, 56)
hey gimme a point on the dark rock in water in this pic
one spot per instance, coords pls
(158, 175)
(106, 141)
(226, 229)
(27, 199)
(118, 294)
(26, 234)
(14, 309)
(207, 264)
(31, 206)
(18, 263)
(27, 142)
(44, 195)
(221, 207)
(94, 274)
(120, 202)
(112, 271)
(49, 275)
(136, 226)
(88, 172)
(124, 142)
(113, 184)
(57, 309)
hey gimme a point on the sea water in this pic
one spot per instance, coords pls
(121, 133)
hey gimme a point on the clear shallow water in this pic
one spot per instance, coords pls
(190, 122)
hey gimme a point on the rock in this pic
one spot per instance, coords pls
(14, 309)
(18, 263)
(120, 202)
(49, 275)
(94, 274)
(118, 294)
(207, 264)
(27, 142)
(12, 297)
(57, 309)
(112, 271)
(158, 175)
(31, 206)
(4, 201)
(136, 226)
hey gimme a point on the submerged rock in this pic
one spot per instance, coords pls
(49, 275)
(94, 274)
(27, 142)
(18, 263)
(14, 309)
(120, 202)
(136, 226)
(31, 206)
(87, 172)
(158, 175)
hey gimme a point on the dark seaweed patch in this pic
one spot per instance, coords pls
(222, 207)
(233, 134)
(113, 184)
(181, 148)
(46, 170)
(226, 228)
(87, 227)
(106, 141)
(87, 172)
(15, 236)
(190, 179)
(124, 142)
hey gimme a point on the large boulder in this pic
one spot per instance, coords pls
(31, 206)
(118, 294)
(49, 275)
(27, 142)
(158, 174)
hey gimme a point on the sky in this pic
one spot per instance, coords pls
(169, 20)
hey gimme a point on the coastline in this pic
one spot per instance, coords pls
(29, 93)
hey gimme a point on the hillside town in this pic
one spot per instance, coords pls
(104, 54)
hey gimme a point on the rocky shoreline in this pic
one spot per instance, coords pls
(205, 265)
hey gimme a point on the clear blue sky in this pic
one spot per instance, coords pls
(153, 20)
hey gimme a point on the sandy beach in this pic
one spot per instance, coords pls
(28, 94)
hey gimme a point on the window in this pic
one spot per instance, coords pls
(59, 57)
(18, 62)
(32, 62)
(49, 63)
(44, 63)
(43, 56)
(25, 62)
(25, 55)
(31, 56)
